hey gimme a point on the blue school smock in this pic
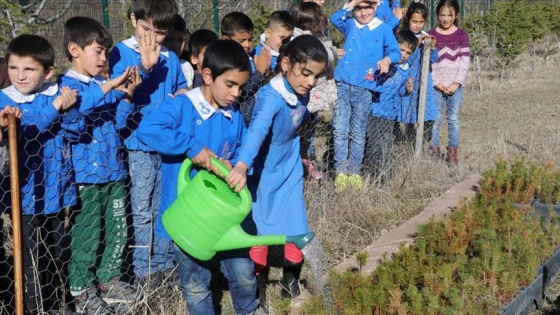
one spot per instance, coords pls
(45, 155)
(97, 148)
(365, 45)
(271, 148)
(393, 95)
(181, 128)
(409, 112)
(158, 85)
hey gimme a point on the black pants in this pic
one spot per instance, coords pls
(378, 156)
(46, 252)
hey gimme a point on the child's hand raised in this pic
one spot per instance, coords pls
(237, 177)
(262, 61)
(66, 99)
(202, 159)
(149, 50)
(409, 85)
(134, 80)
(399, 12)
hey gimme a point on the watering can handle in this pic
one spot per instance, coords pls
(184, 177)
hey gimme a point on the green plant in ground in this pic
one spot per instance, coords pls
(471, 262)
(361, 259)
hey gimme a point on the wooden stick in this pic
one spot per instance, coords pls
(16, 212)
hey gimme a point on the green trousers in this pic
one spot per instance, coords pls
(98, 235)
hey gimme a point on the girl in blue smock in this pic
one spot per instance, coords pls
(271, 149)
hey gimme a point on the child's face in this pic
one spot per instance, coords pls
(416, 23)
(198, 60)
(406, 51)
(145, 27)
(302, 76)
(446, 17)
(226, 87)
(90, 61)
(27, 75)
(175, 41)
(275, 36)
(364, 12)
(244, 38)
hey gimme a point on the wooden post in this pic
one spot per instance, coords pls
(422, 101)
(16, 212)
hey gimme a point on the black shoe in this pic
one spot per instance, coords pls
(290, 281)
(262, 279)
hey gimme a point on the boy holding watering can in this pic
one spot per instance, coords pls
(195, 125)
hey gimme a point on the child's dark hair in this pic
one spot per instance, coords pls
(452, 4)
(225, 55)
(161, 12)
(414, 7)
(301, 49)
(85, 31)
(282, 19)
(236, 22)
(200, 39)
(308, 16)
(407, 37)
(33, 46)
(180, 24)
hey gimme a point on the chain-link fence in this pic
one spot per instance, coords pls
(56, 242)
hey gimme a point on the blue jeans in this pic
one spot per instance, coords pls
(451, 105)
(195, 275)
(350, 115)
(151, 252)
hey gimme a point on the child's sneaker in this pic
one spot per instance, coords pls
(118, 291)
(310, 171)
(341, 182)
(354, 181)
(89, 303)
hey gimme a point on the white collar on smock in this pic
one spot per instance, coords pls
(48, 89)
(204, 109)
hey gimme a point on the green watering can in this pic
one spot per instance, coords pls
(206, 216)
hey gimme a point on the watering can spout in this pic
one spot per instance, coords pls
(300, 240)
(236, 238)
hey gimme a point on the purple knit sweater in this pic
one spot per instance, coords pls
(454, 57)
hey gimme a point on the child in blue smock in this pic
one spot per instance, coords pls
(394, 90)
(271, 149)
(199, 124)
(279, 27)
(370, 46)
(415, 20)
(44, 166)
(99, 226)
(239, 27)
(162, 77)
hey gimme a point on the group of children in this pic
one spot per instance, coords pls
(110, 135)
(378, 82)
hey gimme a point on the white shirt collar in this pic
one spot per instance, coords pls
(204, 109)
(132, 43)
(277, 84)
(404, 66)
(84, 78)
(48, 89)
(373, 24)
